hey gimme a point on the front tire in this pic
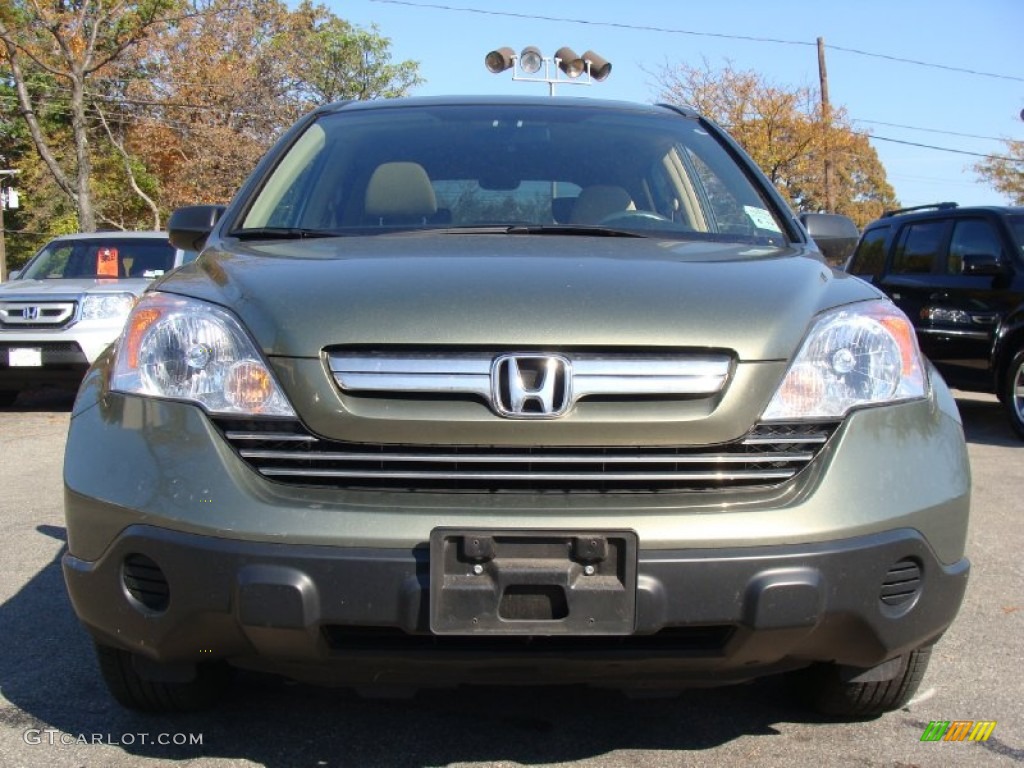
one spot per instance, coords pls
(1011, 392)
(825, 690)
(134, 691)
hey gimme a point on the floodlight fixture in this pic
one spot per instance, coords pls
(571, 64)
(598, 67)
(499, 60)
(531, 60)
(564, 67)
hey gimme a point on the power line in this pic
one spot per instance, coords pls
(169, 123)
(944, 149)
(927, 130)
(589, 22)
(933, 65)
(675, 31)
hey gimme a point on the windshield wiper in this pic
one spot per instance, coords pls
(282, 233)
(570, 230)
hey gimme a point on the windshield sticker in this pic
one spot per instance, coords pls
(761, 218)
(106, 262)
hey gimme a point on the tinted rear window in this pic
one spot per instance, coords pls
(918, 248)
(869, 258)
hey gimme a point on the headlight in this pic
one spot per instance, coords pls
(189, 350)
(862, 354)
(107, 306)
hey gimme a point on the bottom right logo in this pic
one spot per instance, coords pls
(958, 730)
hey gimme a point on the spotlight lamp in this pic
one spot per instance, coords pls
(531, 60)
(564, 67)
(598, 67)
(571, 64)
(499, 60)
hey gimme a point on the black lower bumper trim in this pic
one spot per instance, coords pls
(700, 613)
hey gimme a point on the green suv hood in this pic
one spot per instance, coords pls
(519, 292)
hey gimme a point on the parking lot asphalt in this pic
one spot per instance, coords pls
(55, 711)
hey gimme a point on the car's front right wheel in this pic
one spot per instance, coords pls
(825, 690)
(1011, 392)
(134, 691)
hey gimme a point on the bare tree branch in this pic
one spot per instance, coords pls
(119, 146)
(35, 131)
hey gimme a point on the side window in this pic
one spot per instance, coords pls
(918, 248)
(971, 236)
(869, 258)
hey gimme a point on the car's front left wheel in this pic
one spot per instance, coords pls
(826, 689)
(1011, 392)
(134, 691)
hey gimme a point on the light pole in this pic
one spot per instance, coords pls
(4, 198)
(566, 66)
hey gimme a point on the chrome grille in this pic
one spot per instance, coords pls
(286, 452)
(474, 374)
(36, 314)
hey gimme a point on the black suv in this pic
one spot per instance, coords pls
(958, 272)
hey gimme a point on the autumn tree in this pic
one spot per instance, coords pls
(783, 131)
(168, 102)
(222, 86)
(1005, 173)
(74, 42)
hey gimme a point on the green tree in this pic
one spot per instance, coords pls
(783, 131)
(44, 210)
(1005, 173)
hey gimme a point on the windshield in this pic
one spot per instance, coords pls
(112, 257)
(510, 166)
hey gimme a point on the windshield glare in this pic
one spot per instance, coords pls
(100, 258)
(429, 167)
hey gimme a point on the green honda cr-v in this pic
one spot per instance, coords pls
(471, 390)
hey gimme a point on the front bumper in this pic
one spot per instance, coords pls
(65, 353)
(327, 584)
(60, 362)
(361, 615)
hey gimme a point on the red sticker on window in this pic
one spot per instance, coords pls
(106, 262)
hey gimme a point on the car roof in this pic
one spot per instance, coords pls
(942, 211)
(110, 235)
(524, 101)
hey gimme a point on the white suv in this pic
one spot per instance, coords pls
(71, 300)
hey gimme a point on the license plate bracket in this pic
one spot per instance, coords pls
(502, 582)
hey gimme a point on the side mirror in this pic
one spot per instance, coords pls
(835, 235)
(982, 264)
(13, 275)
(189, 227)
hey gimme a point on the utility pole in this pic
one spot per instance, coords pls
(3, 205)
(826, 119)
